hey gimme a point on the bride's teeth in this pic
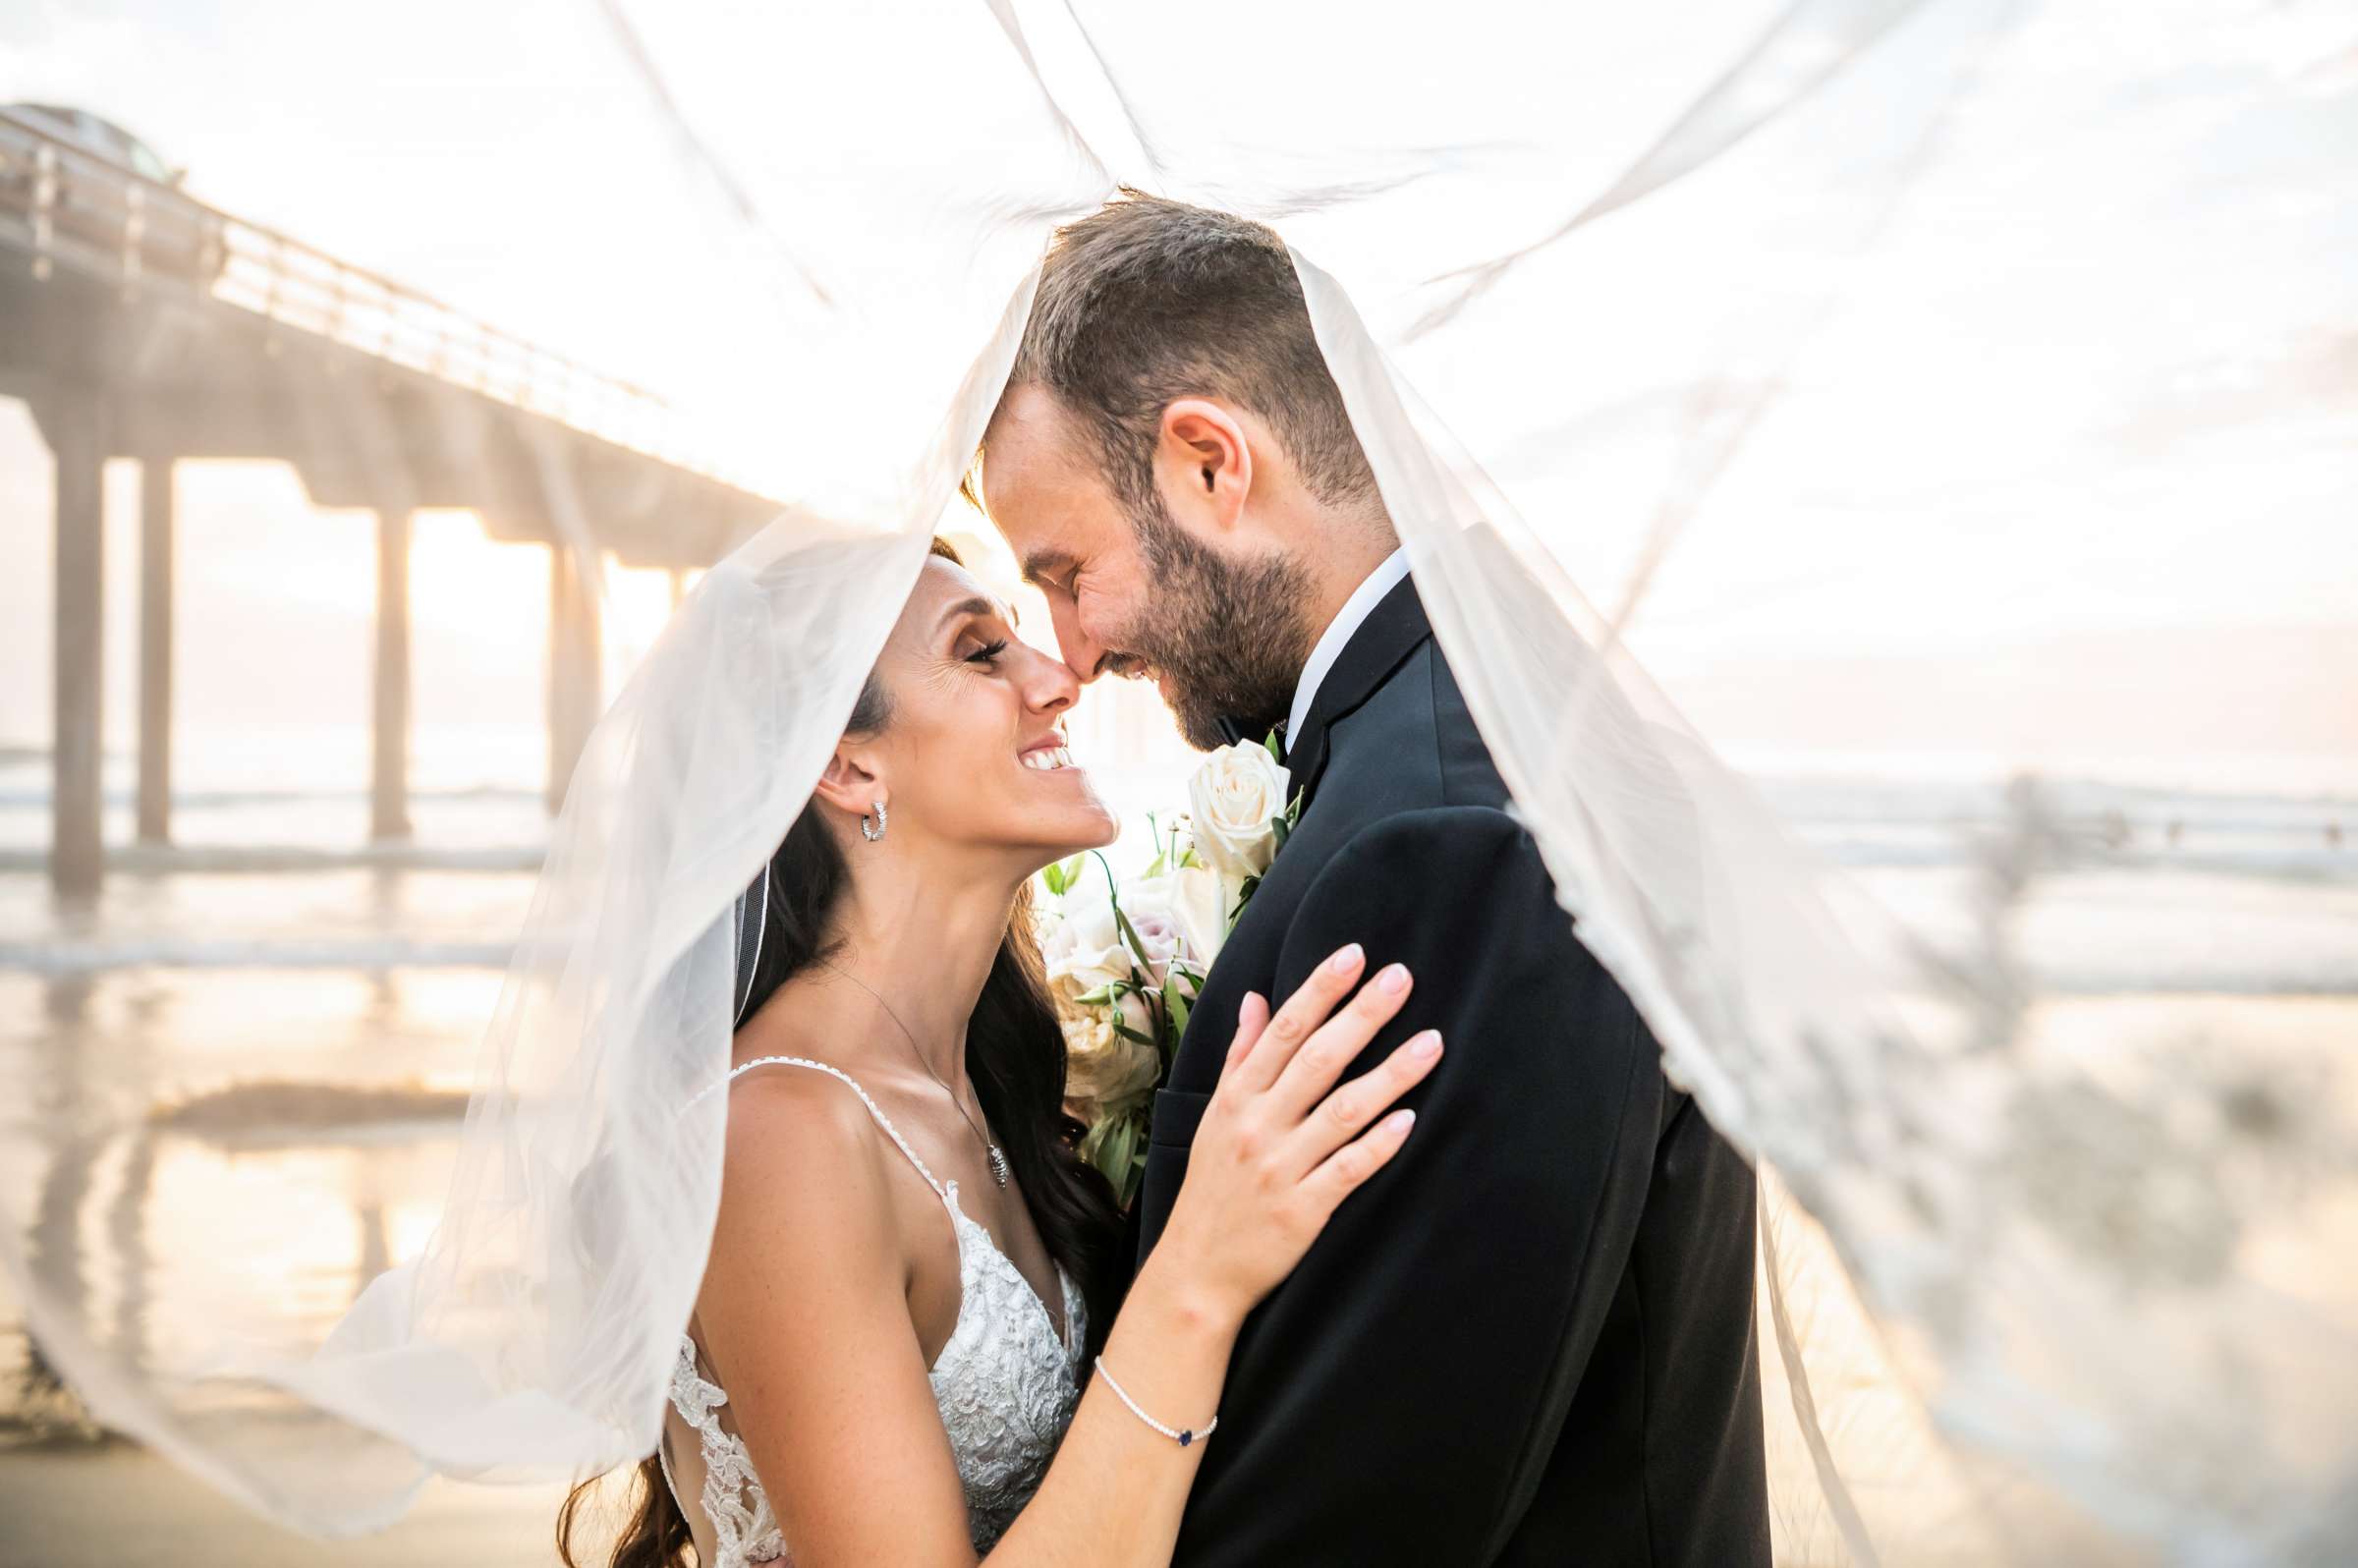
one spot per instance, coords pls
(1048, 760)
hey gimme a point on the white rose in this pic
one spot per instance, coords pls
(1231, 800)
(1201, 901)
(1104, 1073)
(1084, 953)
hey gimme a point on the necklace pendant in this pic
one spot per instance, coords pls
(999, 1165)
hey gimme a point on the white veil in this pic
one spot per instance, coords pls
(1639, 278)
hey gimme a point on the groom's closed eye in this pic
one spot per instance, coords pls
(1051, 569)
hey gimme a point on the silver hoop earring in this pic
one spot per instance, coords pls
(871, 834)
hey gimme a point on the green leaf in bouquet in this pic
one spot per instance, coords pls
(1103, 997)
(1123, 1160)
(1131, 1035)
(1137, 945)
(1276, 751)
(1174, 1002)
(1095, 1153)
(1278, 828)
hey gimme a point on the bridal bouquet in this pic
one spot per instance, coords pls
(1127, 956)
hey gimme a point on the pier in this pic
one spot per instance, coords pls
(138, 322)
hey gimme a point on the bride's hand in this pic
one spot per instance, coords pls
(1280, 1145)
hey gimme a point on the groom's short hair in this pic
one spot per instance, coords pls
(1148, 299)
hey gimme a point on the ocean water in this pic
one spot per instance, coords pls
(241, 1067)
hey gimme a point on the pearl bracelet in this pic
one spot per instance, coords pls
(1183, 1436)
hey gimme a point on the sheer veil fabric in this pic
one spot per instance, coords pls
(1734, 312)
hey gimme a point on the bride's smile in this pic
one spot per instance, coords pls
(1048, 756)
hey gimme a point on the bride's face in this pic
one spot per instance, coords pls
(973, 757)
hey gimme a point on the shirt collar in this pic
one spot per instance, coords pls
(1356, 609)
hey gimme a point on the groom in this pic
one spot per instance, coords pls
(1530, 1339)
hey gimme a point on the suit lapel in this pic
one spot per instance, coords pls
(1392, 631)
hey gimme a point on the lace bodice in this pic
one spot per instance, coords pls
(1006, 1383)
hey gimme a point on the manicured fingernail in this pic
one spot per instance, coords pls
(1393, 979)
(1426, 1046)
(1345, 959)
(1400, 1121)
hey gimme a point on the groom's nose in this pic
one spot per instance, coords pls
(1085, 656)
(1049, 685)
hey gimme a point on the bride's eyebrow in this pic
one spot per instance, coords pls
(976, 606)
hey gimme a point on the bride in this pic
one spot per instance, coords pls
(912, 1275)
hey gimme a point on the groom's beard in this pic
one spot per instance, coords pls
(1228, 639)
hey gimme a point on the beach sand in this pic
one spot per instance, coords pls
(108, 1505)
(223, 1086)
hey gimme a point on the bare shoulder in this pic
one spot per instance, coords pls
(777, 1096)
(807, 1235)
(802, 1146)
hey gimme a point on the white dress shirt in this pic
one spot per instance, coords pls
(1330, 647)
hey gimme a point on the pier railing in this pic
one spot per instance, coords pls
(65, 205)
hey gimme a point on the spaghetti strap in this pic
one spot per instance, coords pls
(853, 1084)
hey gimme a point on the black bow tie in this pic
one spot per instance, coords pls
(1233, 733)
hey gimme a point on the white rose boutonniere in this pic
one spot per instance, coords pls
(1236, 803)
(1239, 816)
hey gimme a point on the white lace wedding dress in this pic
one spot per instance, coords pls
(1006, 1382)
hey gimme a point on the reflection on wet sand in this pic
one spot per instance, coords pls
(53, 1241)
(160, 1170)
(289, 1190)
(282, 1134)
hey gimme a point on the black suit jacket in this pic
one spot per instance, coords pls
(1529, 1339)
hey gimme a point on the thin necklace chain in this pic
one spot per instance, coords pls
(999, 1157)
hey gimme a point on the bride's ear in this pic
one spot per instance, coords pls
(850, 784)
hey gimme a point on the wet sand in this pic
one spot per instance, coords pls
(248, 1087)
(108, 1505)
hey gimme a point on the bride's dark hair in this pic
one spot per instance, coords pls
(1015, 1056)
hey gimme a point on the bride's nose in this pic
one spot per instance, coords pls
(1049, 683)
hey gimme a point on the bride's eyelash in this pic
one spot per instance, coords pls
(987, 652)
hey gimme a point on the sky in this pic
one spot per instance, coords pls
(2040, 338)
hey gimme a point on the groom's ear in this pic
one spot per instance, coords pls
(1204, 463)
